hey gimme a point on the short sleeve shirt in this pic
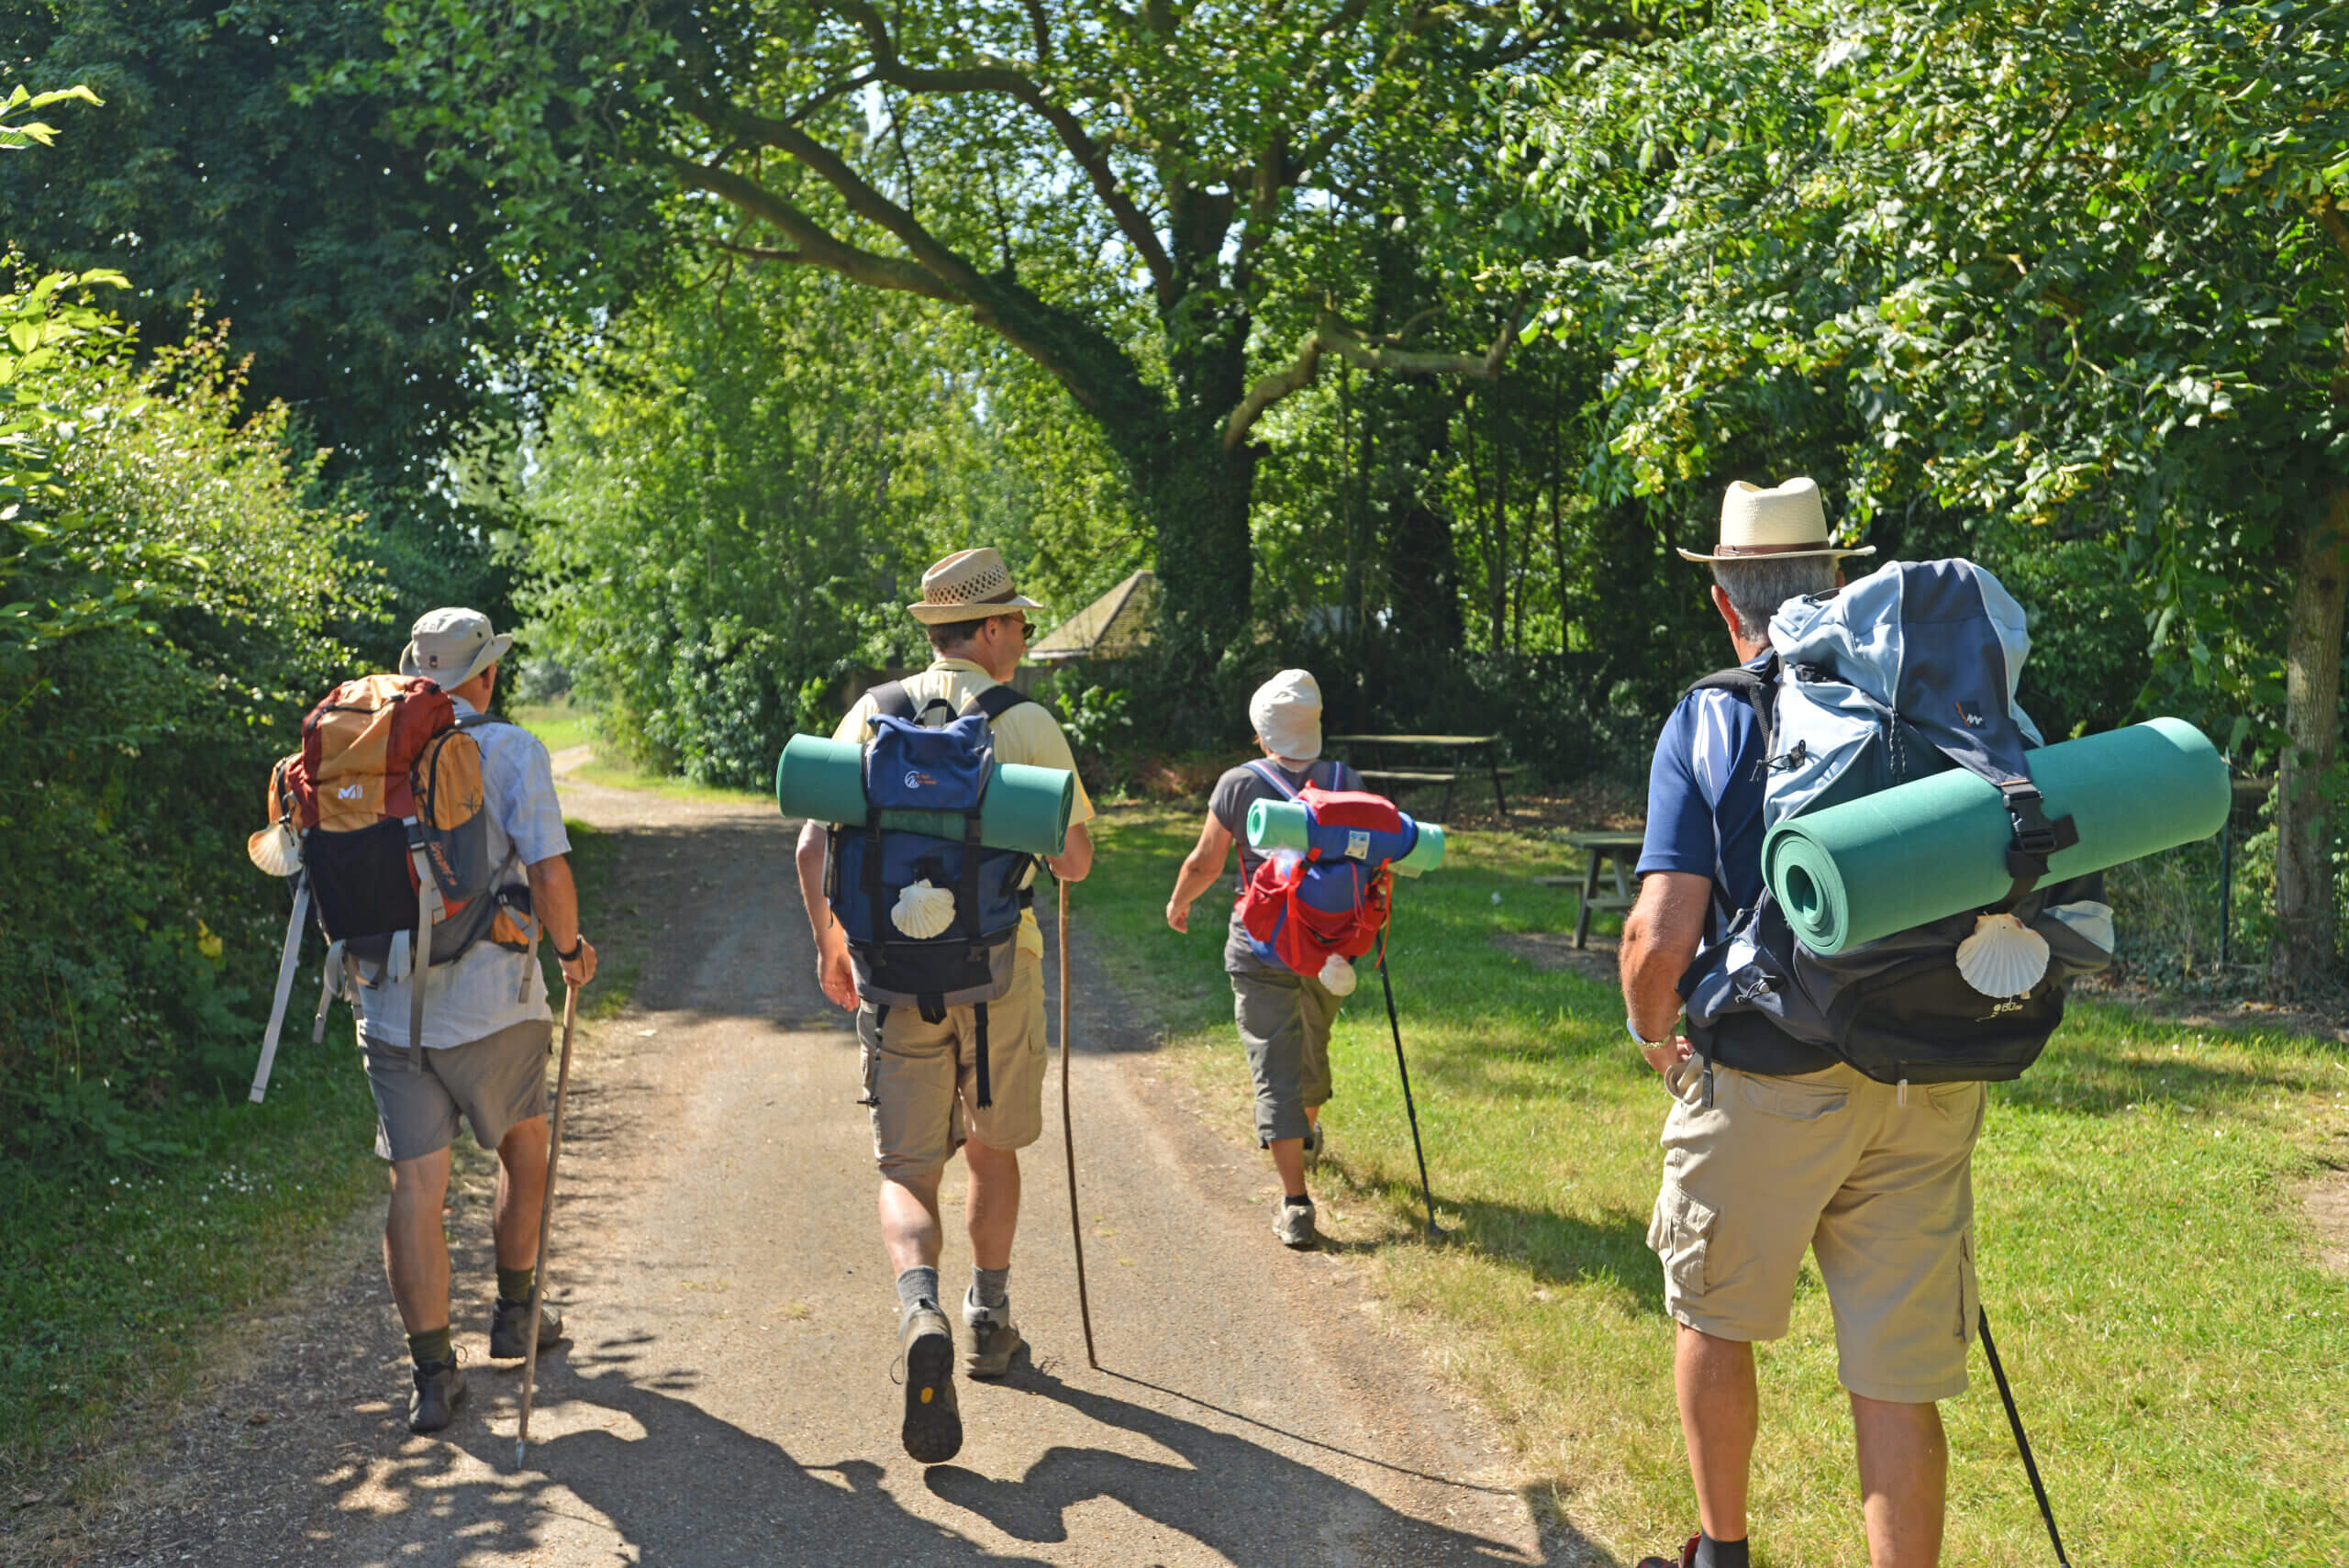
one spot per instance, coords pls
(1234, 793)
(1027, 734)
(490, 988)
(1705, 799)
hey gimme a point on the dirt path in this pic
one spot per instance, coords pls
(725, 1396)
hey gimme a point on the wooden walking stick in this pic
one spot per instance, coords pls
(1068, 1141)
(546, 1219)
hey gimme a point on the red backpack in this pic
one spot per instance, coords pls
(1303, 910)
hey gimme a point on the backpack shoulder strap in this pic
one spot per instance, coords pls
(1272, 775)
(892, 699)
(997, 701)
(1760, 690)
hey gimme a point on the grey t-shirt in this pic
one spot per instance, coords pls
(1238, 789)
(489, 989)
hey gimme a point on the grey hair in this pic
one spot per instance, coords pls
(1758, 585)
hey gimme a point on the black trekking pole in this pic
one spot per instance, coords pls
(2014, 1419)
(1068, 1141)
(1435, 1232)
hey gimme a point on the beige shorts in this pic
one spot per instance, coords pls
(494, 1083)
(922, 1080)
(1832, 1162)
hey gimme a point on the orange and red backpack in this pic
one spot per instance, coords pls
(379, 820)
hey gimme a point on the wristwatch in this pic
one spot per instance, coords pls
(572, 956)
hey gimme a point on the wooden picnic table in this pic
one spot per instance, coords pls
(1613, 846)
(1457, 753)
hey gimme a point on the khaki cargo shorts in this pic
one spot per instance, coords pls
(494, 1083)
(922, 1080)
(1832, 1161)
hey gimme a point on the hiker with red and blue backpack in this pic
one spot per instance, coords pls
(1829, 1104)
(1285, 1015)
(933, 943)
(427, 836)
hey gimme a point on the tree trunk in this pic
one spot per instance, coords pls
(2303, 960)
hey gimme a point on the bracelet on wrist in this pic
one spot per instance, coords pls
(1643, 1041)
(576, 948)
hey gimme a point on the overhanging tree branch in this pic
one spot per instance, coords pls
(996, 78)
(1334, 336)
(818, 246)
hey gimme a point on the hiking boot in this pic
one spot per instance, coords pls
(933, 1428)
(509, 1329)
(1686, 1560)
(1293, 1223)
(994, 1342)
(440, 1389)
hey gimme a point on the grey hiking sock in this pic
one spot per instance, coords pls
(990, 1287)
(916, 1287)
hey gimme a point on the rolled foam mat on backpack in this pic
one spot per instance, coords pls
(1937, 846)
(1025, 808)
(1287, 825)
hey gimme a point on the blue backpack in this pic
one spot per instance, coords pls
(1909, 671)
(932, 923)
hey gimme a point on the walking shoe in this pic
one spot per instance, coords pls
(933, 1428)
(994, 1342)
(440, 1389)
(1293, 1223)
(509, 1329)
(1686, 1560)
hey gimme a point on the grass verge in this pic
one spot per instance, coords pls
(112, 1272)
(2180, 1357)
(560, 727)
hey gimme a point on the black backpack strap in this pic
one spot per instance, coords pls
(1760, 690)
(997, 701)
(892, 699)
(979, 1029)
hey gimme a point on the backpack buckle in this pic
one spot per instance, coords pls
(2036, 837)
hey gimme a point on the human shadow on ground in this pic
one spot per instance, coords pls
(676, 1484)
(1242, 1500)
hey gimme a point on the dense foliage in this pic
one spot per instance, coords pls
(170, 593)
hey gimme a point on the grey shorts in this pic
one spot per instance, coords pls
(1284, 1021)
(494, 1083)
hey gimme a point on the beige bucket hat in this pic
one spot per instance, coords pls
(451, 646)
(1786, 519)
(969, 585)
(1287, 712)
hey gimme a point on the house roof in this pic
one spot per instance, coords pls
(1118, 622)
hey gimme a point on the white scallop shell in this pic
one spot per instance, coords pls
(277, 849)
(1338, 977)
(2003, 957)
(922, 910)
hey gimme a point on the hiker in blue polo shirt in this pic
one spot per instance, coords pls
(1776, 1148)
(1284, 1017)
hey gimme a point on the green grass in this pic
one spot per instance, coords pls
(562, 727)
(2180, 1358)
(113, 1274)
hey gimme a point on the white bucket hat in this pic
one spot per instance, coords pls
(1787, 519)
(969, 585)
(451, 646)
(1287, 712)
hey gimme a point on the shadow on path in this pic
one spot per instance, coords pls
(1238, 1498)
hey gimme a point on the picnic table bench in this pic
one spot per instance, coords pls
(1456, 756)
(1615, 847)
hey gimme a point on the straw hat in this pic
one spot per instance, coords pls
(969, 585)
(451, 646)
(1785, 520)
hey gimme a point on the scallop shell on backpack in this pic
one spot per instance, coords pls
(922, 910)
(276, 850)
(2003, 957)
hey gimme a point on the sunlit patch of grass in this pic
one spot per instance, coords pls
(2180, 1357)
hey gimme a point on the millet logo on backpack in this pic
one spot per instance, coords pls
(349, 792)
